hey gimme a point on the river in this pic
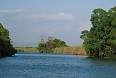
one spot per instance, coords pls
(43, 65)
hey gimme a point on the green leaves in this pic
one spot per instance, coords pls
(41, 47)
(84, 34)
(50, 44)
(101, 39)
(6, 48)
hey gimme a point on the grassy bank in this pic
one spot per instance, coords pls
(76, 50)
(27, 49)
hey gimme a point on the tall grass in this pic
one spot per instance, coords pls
(27, 49)
(76, 50)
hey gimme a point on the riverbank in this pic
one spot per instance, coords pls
(26, 49)
(75, 50)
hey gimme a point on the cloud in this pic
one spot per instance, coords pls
(20, 15)
(19, 10)
(84, 26)
(29, 16)
(10, 14)
(64, 28)
(59, 16)
(11, 11)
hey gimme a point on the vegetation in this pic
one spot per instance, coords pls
(50, 44)
(100, 41)
(6, 48)
(26, 49)
(76, 50)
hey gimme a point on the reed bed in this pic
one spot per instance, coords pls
(76, 50)
(26, 49)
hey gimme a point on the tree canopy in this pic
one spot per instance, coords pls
(6, 47)
(50, 44)
(100, 40)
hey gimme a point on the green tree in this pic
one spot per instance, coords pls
(41, 47)
(100, 41)
(6, 48)
(51, 43)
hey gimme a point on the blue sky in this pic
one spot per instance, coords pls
(64, 19)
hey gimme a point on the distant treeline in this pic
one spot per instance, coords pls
(6, 47)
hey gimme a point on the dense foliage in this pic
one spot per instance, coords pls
(100, 41)
(50, 44)
(6, 48)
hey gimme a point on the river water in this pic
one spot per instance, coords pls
(43, 65)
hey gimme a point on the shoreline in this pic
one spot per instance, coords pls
(73, 50)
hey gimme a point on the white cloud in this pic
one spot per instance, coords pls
(12, 11)
(20, 15)
(19, 10)
(49, 29)
(84, 26)
(74, 27)
(59, 16)
(28, 16)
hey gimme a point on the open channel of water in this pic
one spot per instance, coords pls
(44, 65)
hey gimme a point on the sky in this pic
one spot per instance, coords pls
(27, 20)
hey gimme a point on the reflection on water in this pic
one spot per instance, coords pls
(43, 65)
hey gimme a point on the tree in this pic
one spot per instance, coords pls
(51, 43)
(6, 48)
(42, 39)
(100, 40)
(41, 47)
(84, 34)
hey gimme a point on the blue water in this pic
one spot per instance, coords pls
(43, 65)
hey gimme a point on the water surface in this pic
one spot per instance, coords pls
(43, 65)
